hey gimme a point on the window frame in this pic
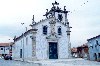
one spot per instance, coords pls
(45, 29)
(59, 30)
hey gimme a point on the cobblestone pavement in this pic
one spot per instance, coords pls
(15, 63)
(69, 62)
(61, 62)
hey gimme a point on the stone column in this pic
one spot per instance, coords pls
(33, 37)
(68, 40)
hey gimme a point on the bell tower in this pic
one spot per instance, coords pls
(57, 12)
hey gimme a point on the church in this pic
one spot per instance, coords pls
(48, 39)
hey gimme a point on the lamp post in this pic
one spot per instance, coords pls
(9, 46)
(23, 43)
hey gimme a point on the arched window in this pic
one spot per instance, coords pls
(59, 30)
(45, 30)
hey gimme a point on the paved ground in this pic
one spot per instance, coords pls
(15, 63)
(61, 62)
(69, 62)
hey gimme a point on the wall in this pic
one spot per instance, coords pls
(27, 48)
(5, 50)
(42, 43)
(95, 49)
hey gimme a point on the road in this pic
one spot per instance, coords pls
(61, 62)
(15, 63)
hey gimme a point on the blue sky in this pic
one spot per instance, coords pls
(84, 18)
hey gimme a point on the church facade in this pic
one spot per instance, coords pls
(48, 39)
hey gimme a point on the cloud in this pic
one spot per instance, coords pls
(4, 39)
(84, 19)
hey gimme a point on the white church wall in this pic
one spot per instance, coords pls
(62, 42)
(18, 46)
(28, 47)
(41, 42)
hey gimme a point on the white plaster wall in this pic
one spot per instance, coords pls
(42, 44)
(62, 42)
(94, 49)
(4, 52)
(27, 48)
(91, 53)
(16, 52)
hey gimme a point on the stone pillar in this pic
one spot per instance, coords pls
(33, 37)
(68, 40)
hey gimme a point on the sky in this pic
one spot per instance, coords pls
(84, 17)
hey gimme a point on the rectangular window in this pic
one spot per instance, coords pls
(99, 55)
(20, 53)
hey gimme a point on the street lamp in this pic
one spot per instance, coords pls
(23, 41)
(9, 46)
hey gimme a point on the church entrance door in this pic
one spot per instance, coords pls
(53, 54)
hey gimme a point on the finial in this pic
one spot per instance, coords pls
(47, 10)
(55, 3)
(64, 8)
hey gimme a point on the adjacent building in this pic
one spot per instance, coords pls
(80, 51)
(94, 48)
(48, 39)
(5, 48)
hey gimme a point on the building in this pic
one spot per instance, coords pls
(94, 48)
(5, 48)
(74, 52)
(48, 39)
(80, 51)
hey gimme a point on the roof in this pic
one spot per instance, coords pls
(50, 18)
(93, 38)
(16, 38)
(6, 44)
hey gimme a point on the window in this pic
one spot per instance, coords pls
(7, 48)
(45, 30)
(59, 30)
(1, 48)
(20, 53)
(97, 42)
(99, 55)
(60, 17)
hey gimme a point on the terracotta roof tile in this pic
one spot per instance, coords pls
(5, 44)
